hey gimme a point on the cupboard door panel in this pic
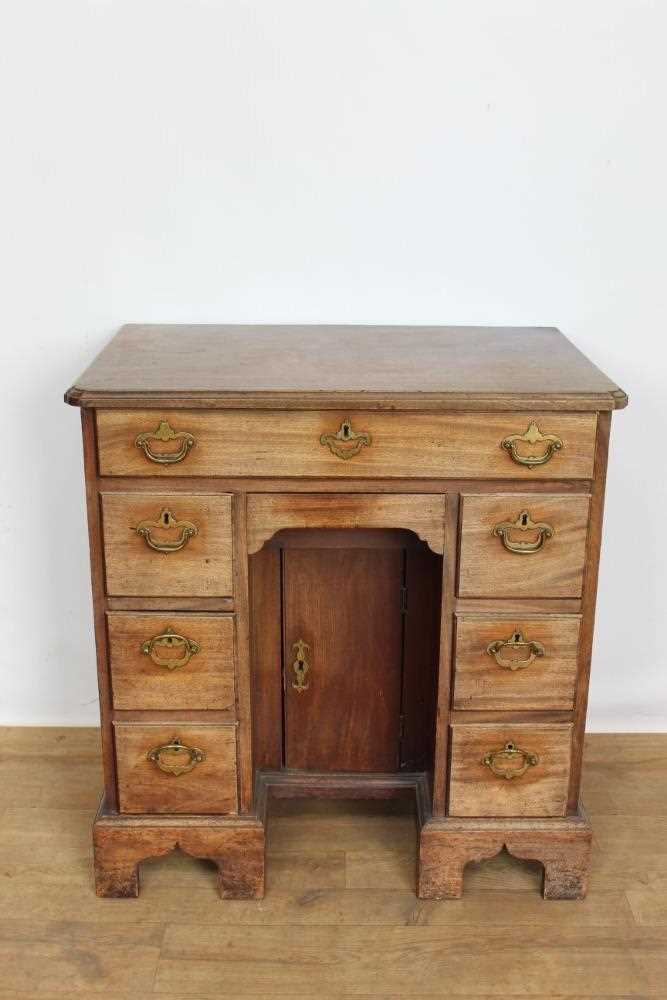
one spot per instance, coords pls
(344, 605)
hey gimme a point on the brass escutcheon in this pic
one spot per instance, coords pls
(515, 642)
(300, 665)
(176, 749)
(532, 436)
(523, 523)
(164, 432)
(345, 443)
(169, 640)
(166, 521)
(510, 752)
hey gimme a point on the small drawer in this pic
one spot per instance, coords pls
(171, 661)
(523, 545)
(340, 444)
(515, 663)
(518, 769)
(176, 768)
(167, 545)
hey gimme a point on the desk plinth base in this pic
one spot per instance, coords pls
(563, 846)
(234, 843)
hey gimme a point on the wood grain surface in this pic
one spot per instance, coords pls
(266, 656)
(235, 846)
(561, 847)
(421, 637)
(244, 740)
(421, 513)
(589, 594)
(445, 658)
(475, 790)
(143, 788)
(202, 568)
(312, 366)
(488, 569)
(246, 443)
(346, 605)
(98, 590)
(206, 681)
(546, 683)
(340, 894)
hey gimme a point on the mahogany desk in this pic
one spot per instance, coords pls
(343, 561)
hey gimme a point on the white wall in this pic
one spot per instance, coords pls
(355, 161)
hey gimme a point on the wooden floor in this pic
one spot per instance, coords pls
(340, 918)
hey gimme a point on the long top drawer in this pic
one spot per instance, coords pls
(343, 445)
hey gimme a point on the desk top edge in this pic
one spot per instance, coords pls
(329, 367)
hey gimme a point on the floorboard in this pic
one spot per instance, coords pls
(340, 919)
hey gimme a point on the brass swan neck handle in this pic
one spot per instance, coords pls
(164, 432)
(170, 640)
(176, 758)
(532, 436)
(506, 532)
(166, 521)
(510, 761)
(515, 643)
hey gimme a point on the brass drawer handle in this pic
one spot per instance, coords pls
(300, 665)
(165, 433)
(345, 443)
(523, 523)
(166, 521)
(175, 749)
(515, 642)
(532, 436)
(169, 640)
(510, 752)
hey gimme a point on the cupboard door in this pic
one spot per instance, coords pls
(342, 658)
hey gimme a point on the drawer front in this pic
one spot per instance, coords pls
(164, 545)
(322, 443)
(483, 755)
(205, 786)
(516, 663)
(172, 661)
(523, 545)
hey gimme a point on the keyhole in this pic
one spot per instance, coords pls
(516, 637)
(165, 518)
(524, 520)
(346, 430)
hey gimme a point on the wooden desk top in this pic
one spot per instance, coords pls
(333, 367)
